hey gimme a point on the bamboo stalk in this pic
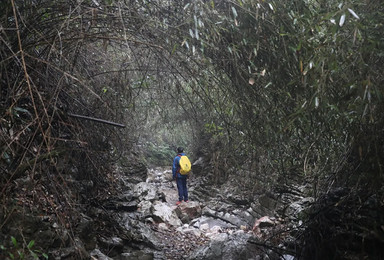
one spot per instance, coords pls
(97, 120)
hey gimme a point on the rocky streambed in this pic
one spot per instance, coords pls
(138, 219)
(212, 225)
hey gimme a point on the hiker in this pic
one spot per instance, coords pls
(181, 179)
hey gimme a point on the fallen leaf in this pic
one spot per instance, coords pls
(251, 81)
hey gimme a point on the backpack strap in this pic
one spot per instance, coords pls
(178, 168)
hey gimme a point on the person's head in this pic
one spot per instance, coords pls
(180, 149)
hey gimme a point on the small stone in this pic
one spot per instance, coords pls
(163, 226)
(55, 225)
(149, 220)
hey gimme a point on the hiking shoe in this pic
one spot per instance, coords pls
(186, 200)
(178, 203)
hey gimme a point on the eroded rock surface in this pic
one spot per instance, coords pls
(212, 225)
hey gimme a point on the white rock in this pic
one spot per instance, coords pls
(144, 207)
(215, 229)
(204, 227)
(97, 254)
(179, 229)
(145, 191)
(220, 237)
(149, 220)
(163, 226)
(166, 214)
(195, 223)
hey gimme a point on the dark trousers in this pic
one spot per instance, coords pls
(182, 188)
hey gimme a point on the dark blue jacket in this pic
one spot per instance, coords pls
(176, 167)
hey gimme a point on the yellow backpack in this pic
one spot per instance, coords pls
(185, 165)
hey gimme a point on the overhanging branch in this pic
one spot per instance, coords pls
(97, 120)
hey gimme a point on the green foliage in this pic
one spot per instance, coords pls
(17, 251)
(212, 128)
(299, 78)
(158, 155)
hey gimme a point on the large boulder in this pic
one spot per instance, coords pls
(145, 191)
(163, 212)
(295, 210)
(168, 193)
(225, 216)
(188, 211)
(225, 246)
(145, 208)
(140, 234)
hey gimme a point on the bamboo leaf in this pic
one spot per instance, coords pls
(186, 6)
(174, 48)
(19, 109)
(353, 13)
(201, 24)
(234, 11)
(342, 20)
(30, 244)
(21, 254)
(14, 241)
